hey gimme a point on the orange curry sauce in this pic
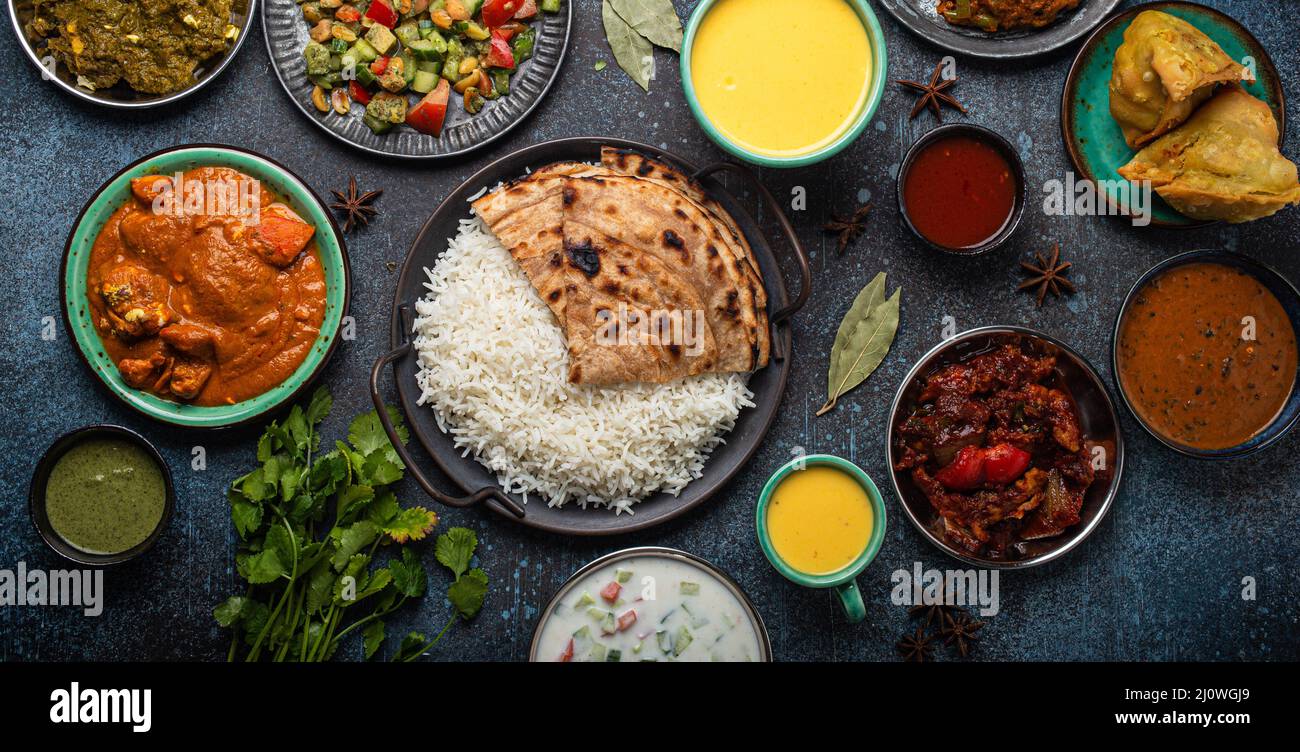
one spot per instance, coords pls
(196, 301)
(1186, 367)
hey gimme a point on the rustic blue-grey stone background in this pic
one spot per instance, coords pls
(1160, 579)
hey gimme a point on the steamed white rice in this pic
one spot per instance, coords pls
(494, 367)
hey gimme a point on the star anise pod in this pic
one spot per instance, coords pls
(934, 93)
(1048, 276)
(355, 207)
(916, 648)
(848, 228)
(938, 614)
(961, 631)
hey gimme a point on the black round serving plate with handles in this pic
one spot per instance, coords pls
(921, 18)
(767, 384)
(286, 36)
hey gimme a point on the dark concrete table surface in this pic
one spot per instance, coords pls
(1160, 579)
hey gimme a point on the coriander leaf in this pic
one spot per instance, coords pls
(279, 541)
(255, 487)
(373, 637)
(319, 407)
(408, 574)
(412, 646)
(299, 432)
(351, 499)
(263, 567)
(467, 593)
(367, 434)
(380, 469)
(255, 615)
(378, 581)
(246, 515)
(320, 587)
(265, 446)
(455, 548)
(411, 525)
(231, 611)
(347, 589)
(383, 509)
(328, 472)
(359, 535)
(289, 482)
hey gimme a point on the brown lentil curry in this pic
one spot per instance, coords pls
(1188, 365)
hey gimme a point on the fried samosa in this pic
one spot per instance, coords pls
(1163, 71)
(1222, 164)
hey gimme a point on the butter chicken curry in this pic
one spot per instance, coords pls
(201, 301)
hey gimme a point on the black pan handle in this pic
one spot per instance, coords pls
(805, 272)
(492, 495)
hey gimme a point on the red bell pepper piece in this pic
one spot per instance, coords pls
(360, 94)
(497, 12)
(1005, 463)
(611, 591)
(966, 471)
(428, 115)
(499, 54)
(382, 13)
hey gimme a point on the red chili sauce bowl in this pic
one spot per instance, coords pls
(961, 189)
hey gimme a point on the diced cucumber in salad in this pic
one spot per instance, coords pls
(382, 50)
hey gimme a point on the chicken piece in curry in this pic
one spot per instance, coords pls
(997, 450)
(1003, 15)
(203, 306)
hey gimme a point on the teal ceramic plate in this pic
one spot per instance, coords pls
(115, 192)
(880, 63)
(1092, 137)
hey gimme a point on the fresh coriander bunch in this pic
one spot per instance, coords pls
(310, 525)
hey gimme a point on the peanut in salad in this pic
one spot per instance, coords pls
(379, 53)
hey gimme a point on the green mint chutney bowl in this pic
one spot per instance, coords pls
(287, 187)
(853, 126)
(843, 580)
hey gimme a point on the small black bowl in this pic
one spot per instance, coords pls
(1286, 294)
(1008, 153)
(36, 496)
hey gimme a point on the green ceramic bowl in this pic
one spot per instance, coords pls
(843, 580)
(880, 58)
(114, 193)
(1093, 139)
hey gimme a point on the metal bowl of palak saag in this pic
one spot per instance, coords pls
(144, 59)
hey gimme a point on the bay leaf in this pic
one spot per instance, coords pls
(656, 20)
(633, 52)
(863, 340)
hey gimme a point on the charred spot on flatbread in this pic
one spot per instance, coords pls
(585, 257)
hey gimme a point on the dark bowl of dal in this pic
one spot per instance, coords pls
(101, 495)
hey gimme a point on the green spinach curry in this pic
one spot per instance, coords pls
(151, 45)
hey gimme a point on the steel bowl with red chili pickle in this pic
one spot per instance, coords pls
(1005, 447)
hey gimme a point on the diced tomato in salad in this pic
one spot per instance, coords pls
(508, 30)
(527, 10)
(382, 13)
(567, 655)
(347, 14)
(428, 115)
(360, 94)
(626, 620)
(497, 12)
(611, 591)
(499, 54)
(379, 65)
